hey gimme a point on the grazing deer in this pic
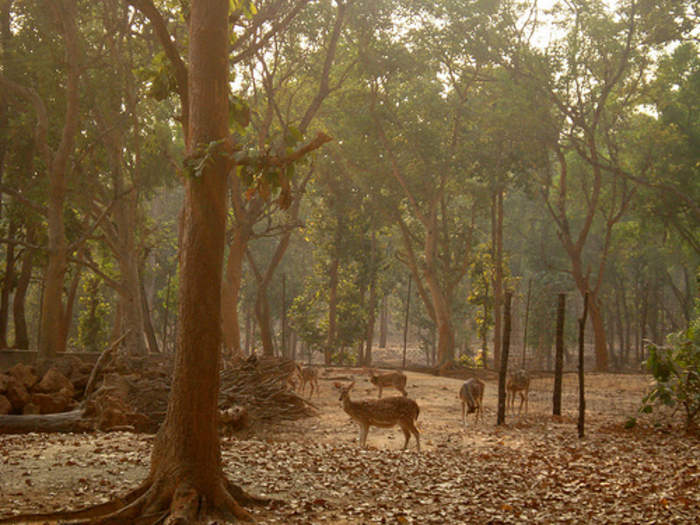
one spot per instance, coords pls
(472, 396)
(393, 379)
(383, 413)
(518, 381)
(294, 377)
(309, 375)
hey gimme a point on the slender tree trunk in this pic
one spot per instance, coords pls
(383, 321)
(7, 284)
(501, 416)
(372, 306)
(332, 307)
(148, 329)
(600, 338)
(262, 314)
(497, 250)
(405, 324)
(248, 332)
(18, 305)
(559, 360)
(581, 382)
(527, 317)
(231, 289)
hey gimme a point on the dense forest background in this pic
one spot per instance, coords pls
(476, 148)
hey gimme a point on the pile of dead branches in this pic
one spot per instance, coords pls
(260, 385)
(126, 393)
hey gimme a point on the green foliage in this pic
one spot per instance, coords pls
(676, 369)
(95, 313)
(471, 362)
(159, 76)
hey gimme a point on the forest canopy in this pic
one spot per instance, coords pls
(383, 157)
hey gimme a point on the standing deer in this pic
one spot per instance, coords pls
(309, 374)
(393, 379)
(383, 413)
(472, 396)
(518, 381)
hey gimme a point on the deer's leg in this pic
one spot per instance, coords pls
(527, 398)
(380, 391)
(522, 400)
(415, 433)
(464, 413)
(364, 430)
(406, 435)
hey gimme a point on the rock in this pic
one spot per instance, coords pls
(53, 381)
(61, 401)
(80, 382)
(69, 365)
(4, 380)
(234, 418)
(30, 409)
(5, 405)
(17, 394)
(24, 374)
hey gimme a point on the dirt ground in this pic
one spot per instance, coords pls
(532, 470)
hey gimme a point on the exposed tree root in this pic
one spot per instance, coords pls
(159, 502)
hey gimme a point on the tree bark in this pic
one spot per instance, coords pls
(372, 306)
(559, 360)
(54, 331)
(186, 455)
(497, 252)
(383, 321)
(8, 283)
(233, 276)
(18, 302)
(332, 306)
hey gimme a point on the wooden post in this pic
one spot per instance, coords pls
(559, 357)
(405, 324)
(505, 347)
(581, 393)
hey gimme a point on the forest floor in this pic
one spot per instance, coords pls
(532, 470)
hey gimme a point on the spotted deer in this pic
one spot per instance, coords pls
(472, 396)
(518, 382)
(383, 413)
(393, 379)
(309, 374)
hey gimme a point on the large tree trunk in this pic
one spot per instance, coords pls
(53, 331)
(186, 460)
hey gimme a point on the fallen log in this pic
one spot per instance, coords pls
(72, 421)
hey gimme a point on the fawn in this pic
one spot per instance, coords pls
(309, 375)
(518, 381)
(384, 413)
(393, 379)
(472, 396)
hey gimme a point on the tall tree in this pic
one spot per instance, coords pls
(54, 326)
